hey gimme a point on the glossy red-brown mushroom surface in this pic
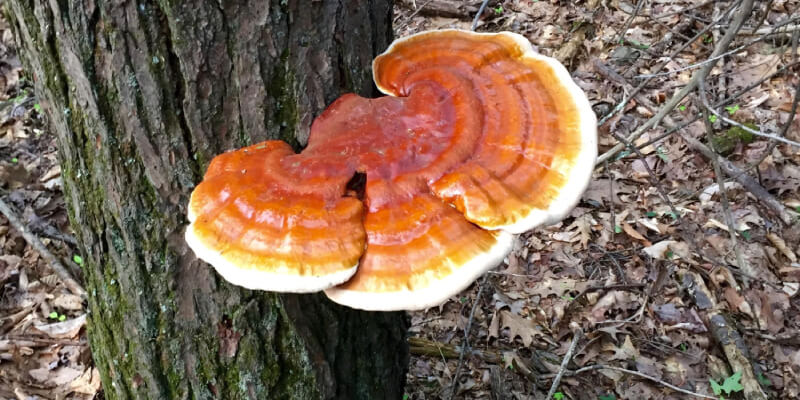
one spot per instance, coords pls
(479, 136)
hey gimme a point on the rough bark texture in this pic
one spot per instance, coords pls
(142, 94)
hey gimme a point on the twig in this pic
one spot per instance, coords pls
(466, 336)
(40, 248)
(625, 27)
(726, 207)
(576, 336)
(741, 15)
(690, 8)
(743, 178)
(413, 14)
(753, 131)
(639, 374)
(619, 107)
(478, 15)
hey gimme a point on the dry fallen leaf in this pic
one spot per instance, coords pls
(63, 330)
(520, 327)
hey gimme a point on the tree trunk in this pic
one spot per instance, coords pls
(142, 94)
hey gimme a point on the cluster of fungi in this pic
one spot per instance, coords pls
(479, 138)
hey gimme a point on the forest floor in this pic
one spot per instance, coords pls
(668, 280)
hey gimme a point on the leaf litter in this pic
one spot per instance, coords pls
(612, 268)
(44, 353)
(616, 267)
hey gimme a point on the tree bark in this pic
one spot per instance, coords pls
(141, 95)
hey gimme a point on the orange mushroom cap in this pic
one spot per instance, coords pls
(479, 138)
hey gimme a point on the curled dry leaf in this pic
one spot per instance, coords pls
(63, 330)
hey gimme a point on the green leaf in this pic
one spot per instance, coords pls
(715, 387)
(662, 153)
(682, 107)
(53, 315)
(558, 396)
(712, 118)
(732, 109)
(797, 209)
(608, 397)
(763, 380)
(498, 10)
(617, 229)
(731, 384)
(745, 235)
(62, 317)
(650, 214)
(669, 254)
(37, 107)
(78, 259)
(683, 347)
(15, 160)
(405, 396)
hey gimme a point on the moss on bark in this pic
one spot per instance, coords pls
(141, 96)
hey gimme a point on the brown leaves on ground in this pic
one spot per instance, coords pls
(43, 349)
(616, 266)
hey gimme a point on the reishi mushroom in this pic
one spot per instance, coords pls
(479, 138)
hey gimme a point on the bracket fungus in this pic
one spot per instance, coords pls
(479, 138)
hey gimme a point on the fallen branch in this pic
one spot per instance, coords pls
(425, 347)
(742, 14)
(40, 248)
(743, 178)
(576, 336)
(639, 374)
(726, 208)
(727, 336)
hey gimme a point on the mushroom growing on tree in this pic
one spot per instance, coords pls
(400, 202)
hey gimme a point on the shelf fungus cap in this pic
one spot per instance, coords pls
(401, 202)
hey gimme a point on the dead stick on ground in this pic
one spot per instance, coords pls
(727, 166)
(743, 178)
(576, 336)
(466, 337)
(40, 248)
(742, 14)
(726, 207)
(641, 375)
(726, 335)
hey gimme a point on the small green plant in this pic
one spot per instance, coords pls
(607, 397)
(77, 259)
(683, 347)
(498, 10)
(669, 254)
(37, 107)
(682, 107)
(732, 109)
(406, 396)
(14, 160)
(617, 229)
(745, 235)
(558, 396)
(712, 118)
(59, 317)
(729, 385)
(662, 153)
